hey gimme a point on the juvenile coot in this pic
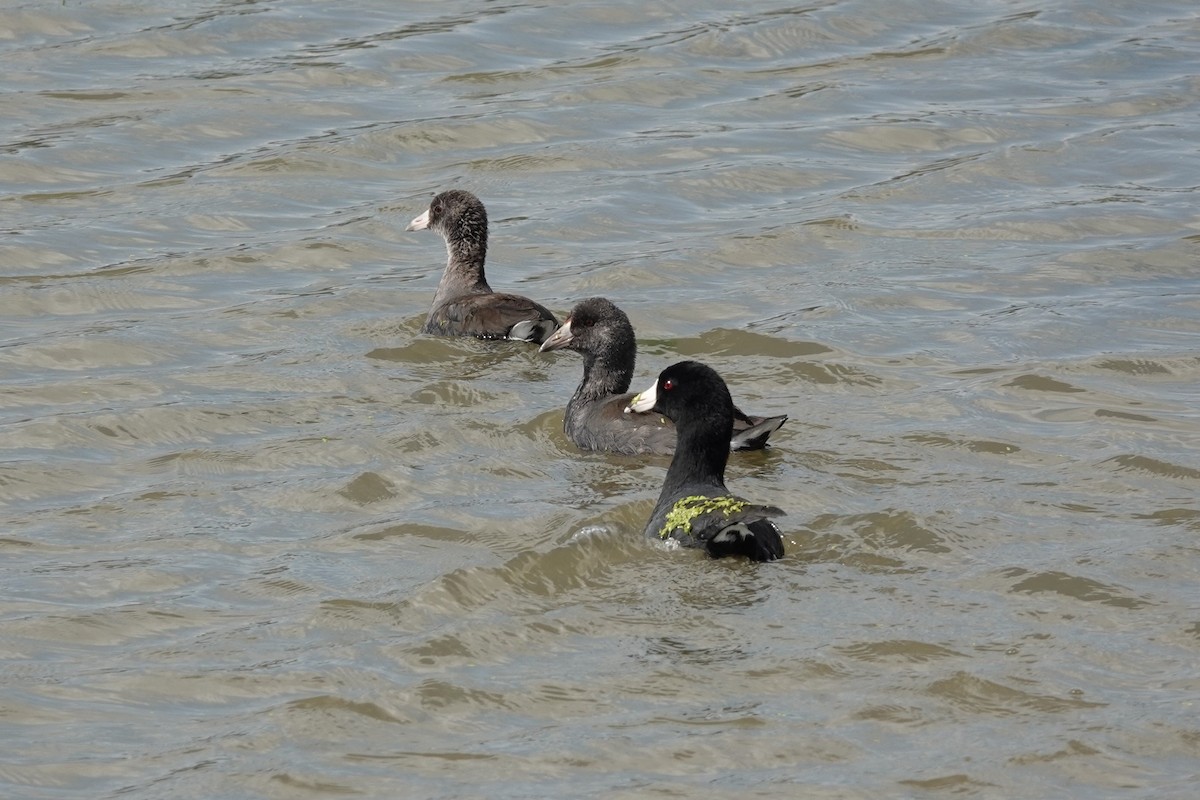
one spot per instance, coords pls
(694, 506)
(601, 333)
(464, 304)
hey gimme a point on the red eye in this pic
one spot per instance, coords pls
(668, 385)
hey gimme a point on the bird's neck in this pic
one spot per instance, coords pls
(464, 270)
(699, 459)
(603, 376)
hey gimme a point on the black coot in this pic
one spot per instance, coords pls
(601, 333)
(464, 304)
(694, 506)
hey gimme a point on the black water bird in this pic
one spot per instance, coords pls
(694, 506)
(602, 334)
(464, 304)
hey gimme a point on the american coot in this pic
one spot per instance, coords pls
(601, 332)
(694, 506)
(464, 304)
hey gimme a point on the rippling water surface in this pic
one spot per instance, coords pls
(263, 539)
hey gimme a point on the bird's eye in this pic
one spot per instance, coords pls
(668, 385)
(437, 208)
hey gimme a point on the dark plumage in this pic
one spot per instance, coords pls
(601, 333)
(464, 304)
(694, 506)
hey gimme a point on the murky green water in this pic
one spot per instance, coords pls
(262, 539)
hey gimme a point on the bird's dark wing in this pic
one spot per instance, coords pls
(492, 316)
